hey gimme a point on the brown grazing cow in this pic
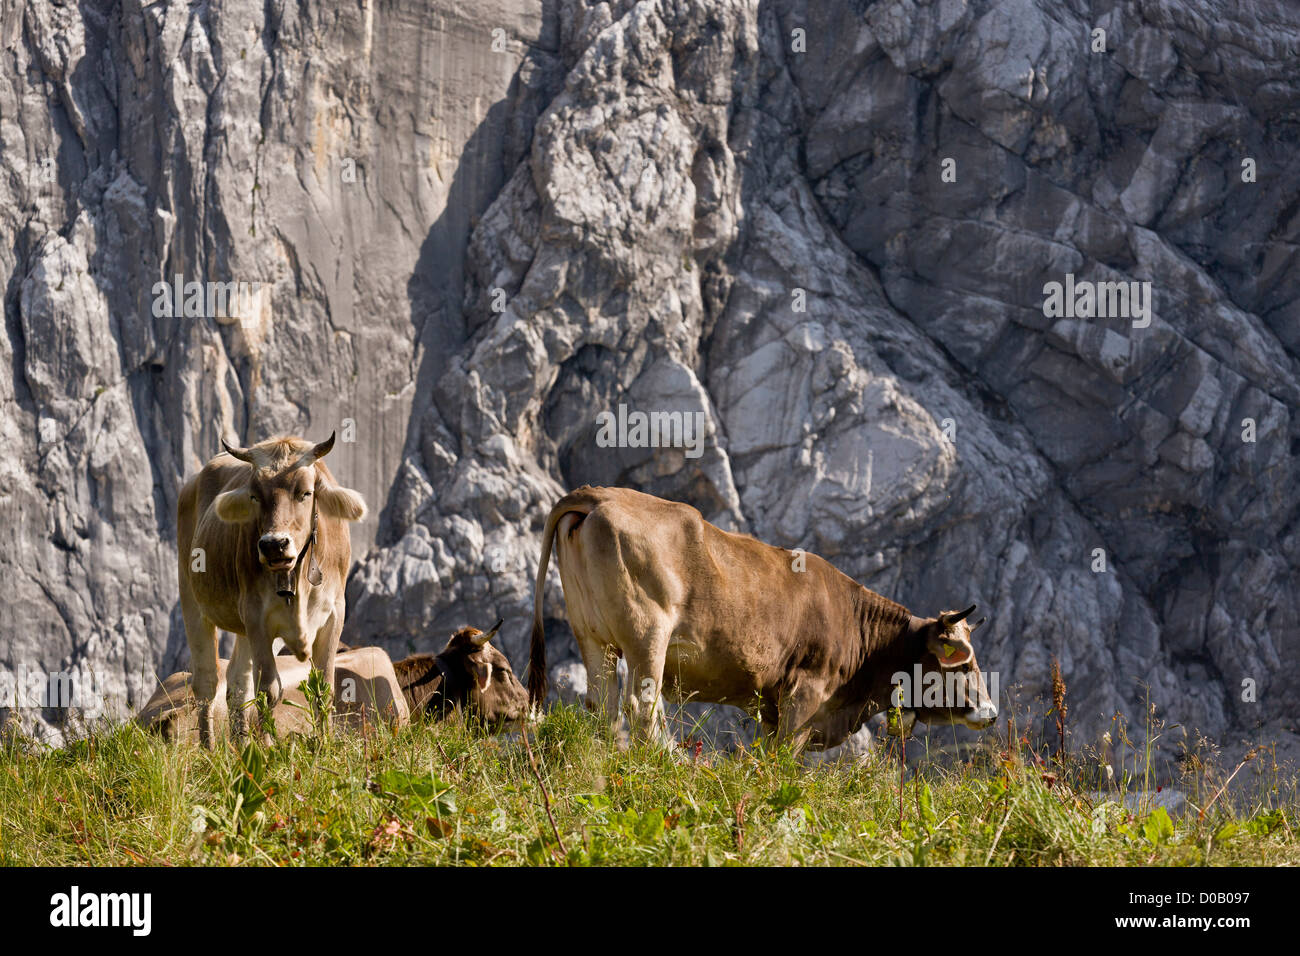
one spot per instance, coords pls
(469, 674)
(713, 616)
(264, 553)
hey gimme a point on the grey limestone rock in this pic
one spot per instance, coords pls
(473, 228)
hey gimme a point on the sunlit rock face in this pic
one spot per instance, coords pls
(826, 234)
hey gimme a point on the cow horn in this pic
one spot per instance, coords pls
(481, 640)
(243, 454)
(978, 623)
(949, 618)
(319, 450)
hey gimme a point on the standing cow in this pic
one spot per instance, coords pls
(264, 553)
(724, 618)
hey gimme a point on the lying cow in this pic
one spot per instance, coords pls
(469, 674)
(366, 689)
(702, 613)
(264, 553)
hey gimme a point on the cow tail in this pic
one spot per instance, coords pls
(579, 501)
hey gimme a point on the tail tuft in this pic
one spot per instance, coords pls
(537, 679)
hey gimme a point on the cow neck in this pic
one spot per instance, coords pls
(443, 671)
(438, 695)
(288, 586)
(886, 627)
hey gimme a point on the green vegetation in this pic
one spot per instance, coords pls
(444, 793)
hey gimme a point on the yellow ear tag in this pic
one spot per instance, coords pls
(949, 650)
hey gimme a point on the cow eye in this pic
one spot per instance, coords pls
(304, 496)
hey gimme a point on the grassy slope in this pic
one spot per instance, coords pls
(442, 794)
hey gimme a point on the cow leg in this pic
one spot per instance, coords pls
(643, 695)
(796, 709)
(268, 675)
(323, 652)
(768, 716)
(601, 661)
(267, 678)
(201, 635)
(239, 686)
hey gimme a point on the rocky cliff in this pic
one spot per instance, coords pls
(827, 229)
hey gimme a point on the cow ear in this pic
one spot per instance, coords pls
(952, 651)
(482, 673)
(234, 507)
(340, 502)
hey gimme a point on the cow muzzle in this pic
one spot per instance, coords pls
(981, 716)
(276, 551)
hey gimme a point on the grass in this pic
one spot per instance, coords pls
(443, 793)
